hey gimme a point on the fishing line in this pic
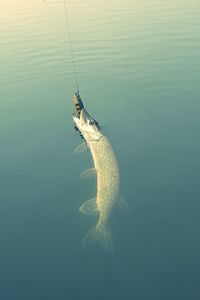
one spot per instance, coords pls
(70, 44)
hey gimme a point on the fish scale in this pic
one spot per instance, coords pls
(107, 178)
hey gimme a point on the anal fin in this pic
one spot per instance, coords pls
(89, 207)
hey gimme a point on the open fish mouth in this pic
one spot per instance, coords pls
(82, 114)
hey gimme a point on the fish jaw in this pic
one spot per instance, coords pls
(87, 126)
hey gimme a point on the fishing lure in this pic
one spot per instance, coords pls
(78, 103)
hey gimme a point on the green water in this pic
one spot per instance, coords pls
(138, 67)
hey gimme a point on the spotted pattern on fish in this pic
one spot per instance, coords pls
(107, 178)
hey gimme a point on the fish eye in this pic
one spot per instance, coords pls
(91, 123)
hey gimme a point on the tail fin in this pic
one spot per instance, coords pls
(100, 235)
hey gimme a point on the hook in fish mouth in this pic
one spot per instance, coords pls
(87, 126)
(81, 113)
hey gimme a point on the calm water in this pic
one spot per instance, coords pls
(138, 67)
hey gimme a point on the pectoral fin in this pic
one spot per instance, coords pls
(89, 207)
(81, 148)
(88, 173)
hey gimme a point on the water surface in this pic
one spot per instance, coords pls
(138, 72)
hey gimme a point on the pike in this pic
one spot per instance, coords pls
(107, 172)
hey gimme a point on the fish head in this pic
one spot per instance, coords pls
(87, 126)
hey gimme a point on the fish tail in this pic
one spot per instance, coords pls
(100, 235)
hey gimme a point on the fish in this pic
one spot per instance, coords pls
(106, 170)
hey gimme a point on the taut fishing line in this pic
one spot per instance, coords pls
(107, 265)
(70, 44)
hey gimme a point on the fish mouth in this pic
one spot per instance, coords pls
(82, 119)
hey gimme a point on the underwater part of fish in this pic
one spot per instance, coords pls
(107, 172)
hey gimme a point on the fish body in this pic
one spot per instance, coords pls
(107, 172)
(107, 178)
